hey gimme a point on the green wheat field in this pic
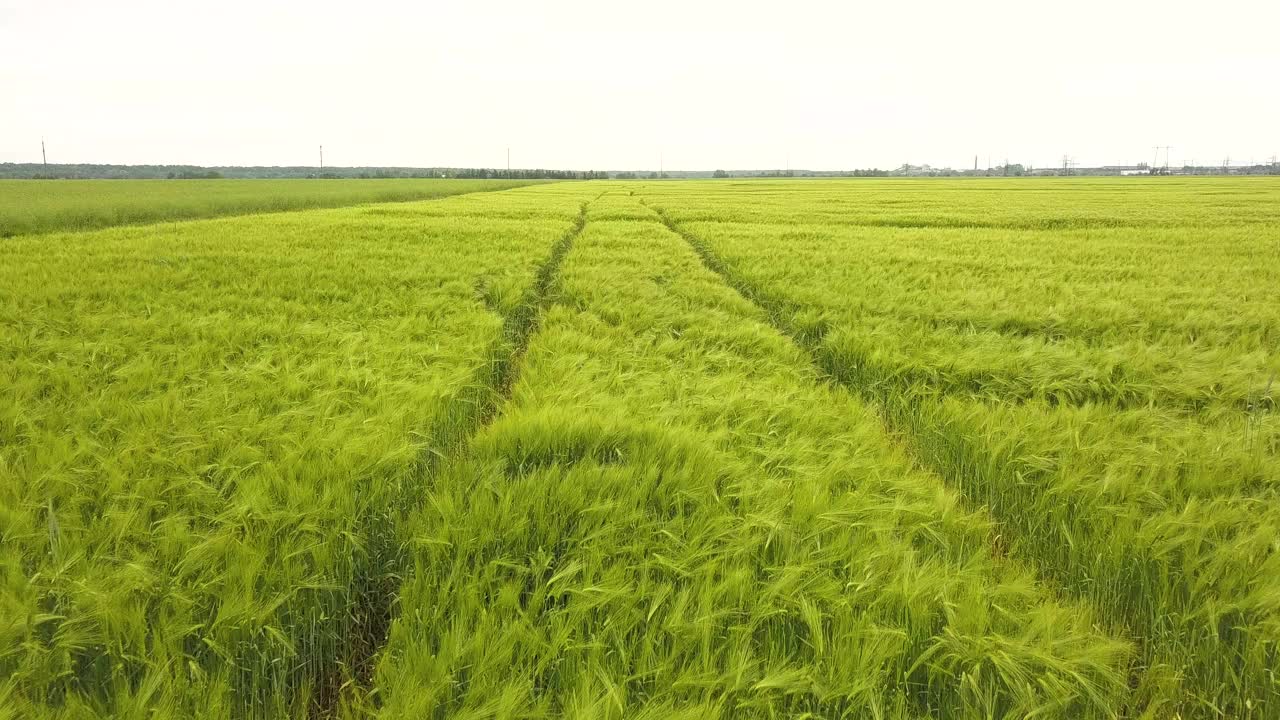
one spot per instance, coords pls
(878, 449)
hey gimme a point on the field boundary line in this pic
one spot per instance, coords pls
(466, 414)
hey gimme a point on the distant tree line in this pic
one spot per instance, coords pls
(869, 172)
(788, 173)
(633, 175)
(37, 171)
(872, 172)
(490, 174)
(194, 175)
(84, 171)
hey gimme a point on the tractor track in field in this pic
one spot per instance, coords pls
(350, 682)
(869, 372)
(958, 460)
(899, 429)
(775, 311)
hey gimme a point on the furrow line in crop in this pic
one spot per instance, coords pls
(897, 413)
(473, 408)
(1182, 649)
(521, 324)
(671, 517)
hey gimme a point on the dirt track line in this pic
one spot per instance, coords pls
(467, 414)
(897, 428)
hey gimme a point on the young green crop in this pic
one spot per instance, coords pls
(210, 431)
(672, 518)
(1105, 392)
(40, 206)
(503, 456)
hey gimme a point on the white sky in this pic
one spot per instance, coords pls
(568, 84)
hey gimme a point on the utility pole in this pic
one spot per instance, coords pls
(508, 160)
(321, 158)
(44, 159)
(1155, 161)
(975, 163)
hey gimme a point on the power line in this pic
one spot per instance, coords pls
(1155, 161)
(1068, 165)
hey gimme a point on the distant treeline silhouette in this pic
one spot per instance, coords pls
(85, 171)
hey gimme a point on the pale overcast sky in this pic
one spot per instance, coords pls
(732, 84)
